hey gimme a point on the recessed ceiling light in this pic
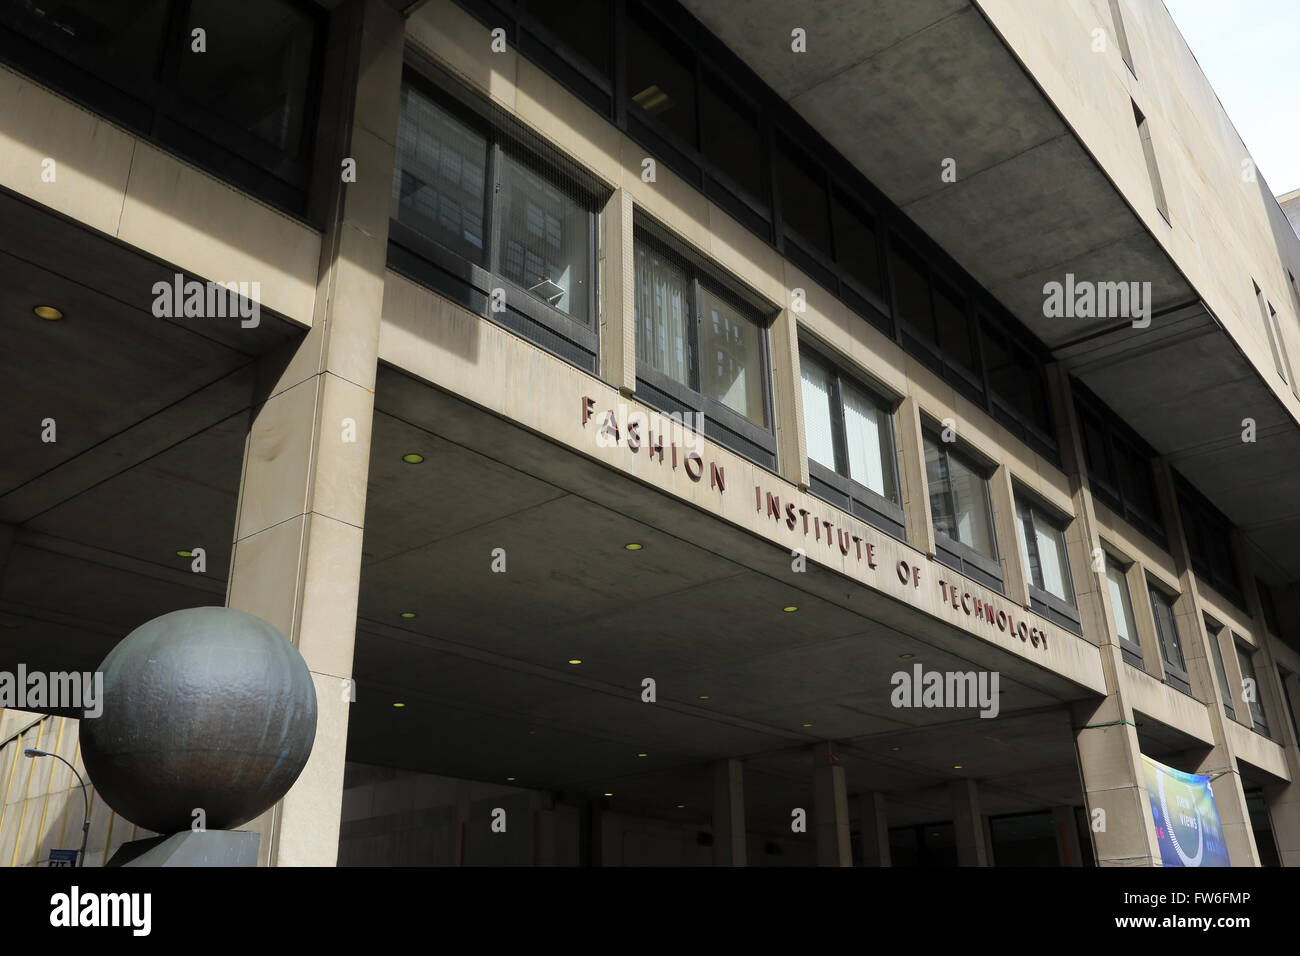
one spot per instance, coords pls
(576, 660)
(895, 748)
(12, 624)
(807, 725)
(641, 755)
(704, 697)
(398, 703)
(413, 458)
(47, 312)
(790, 608)
(510, 778)
(956, 766)
(185, 554)
(407, 615)
(609, 794)
(531, 732)
(632, 546)
(905, 657)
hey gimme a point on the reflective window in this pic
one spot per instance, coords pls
(545, 239)
(1220, 672)
(696, 333)
(819, 425)
(959, 499)
(664, 336)
(584, 26)
(731, 357)
(849, 430)
(1042, 546)
(1122, 607)
(438, 183)
(953, 326)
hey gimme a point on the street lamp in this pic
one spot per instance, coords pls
(85, 826)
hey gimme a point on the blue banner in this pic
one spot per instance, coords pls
(1187, 821)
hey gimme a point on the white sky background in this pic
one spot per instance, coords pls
(1250, 51)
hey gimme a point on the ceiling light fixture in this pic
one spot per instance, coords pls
(413, 458)
(47, 312)
(398, 703)
(790, 608)
(184, 554)
(632, 546)
(407, 615)
(576, 660)
(905, 657)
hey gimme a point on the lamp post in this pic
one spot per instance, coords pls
(85, 826)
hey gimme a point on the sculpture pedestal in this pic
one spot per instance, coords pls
(191, 848)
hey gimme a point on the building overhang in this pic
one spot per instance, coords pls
(900, 88)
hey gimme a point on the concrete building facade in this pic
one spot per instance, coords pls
(627, 405)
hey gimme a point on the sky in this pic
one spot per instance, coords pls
(1250, 51)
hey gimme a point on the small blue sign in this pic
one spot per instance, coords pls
(63, 857)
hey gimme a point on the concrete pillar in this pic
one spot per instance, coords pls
(874, 830)
(1283, 800)
(787, 392)
(297, 543)
(831, 809)
(911, 472)
(1067, 836)
(1106, 743)
(618, 293)
(729, 813)
(968, 824)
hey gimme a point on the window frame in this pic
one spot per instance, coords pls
(1212, 633)
(1258, 715)
(1061, 611)
(955, 554)
(1130, 647)
(1108, 487)
(429, 262)
(1175, 673)
(721, 422)
(861, 501)
(1200, 521)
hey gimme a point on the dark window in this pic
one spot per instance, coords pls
(1270, 609)
(1220, 672)
(1171, 648)
(962, 511)
(850, 437)
(256, 67)
(1025, 839)
(952, 322)
(1118, 464)
(1149, 153)
(1209, 542)
(1018, 387)
(474, 211)
(1250, 688)
(660, 75)
(911, 291)
(805, 206)
(856, 244)
(701, 348)
(1121, 35)
(242, 108)
(732, 141)
(931, 845)
(584, 27)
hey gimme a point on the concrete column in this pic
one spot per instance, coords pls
(968, 824)
(1106, 743)
(729, 813)
(618, 293)
(1283, 800)
(874, 830)
(911, 470)
(297, 543)
(831, 809)
(787, 392)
